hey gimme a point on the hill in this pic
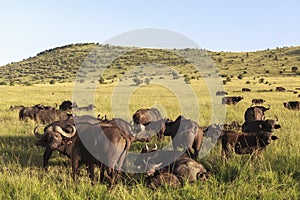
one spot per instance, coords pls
(61, 64)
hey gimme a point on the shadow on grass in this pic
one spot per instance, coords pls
(21, 150)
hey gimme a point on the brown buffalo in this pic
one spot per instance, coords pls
(221, 93)
(231, 100)
(258, 101)
(185, 133)
(143, 120)
(245, 143)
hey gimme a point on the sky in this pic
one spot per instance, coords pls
(29, 27)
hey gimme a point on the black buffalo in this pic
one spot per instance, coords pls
(255, 113)
(292, 105)
(280, 89)
(66, 105)
(260, 125)
(246, 90)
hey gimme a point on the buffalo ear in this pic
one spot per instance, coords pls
(273, 137)
(277, 126)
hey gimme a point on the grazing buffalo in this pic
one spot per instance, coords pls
(231, 100)
(246, 90)
(298, 95)
(144, 118)
(292, 105)
(11, 108)
(107, 147)
(185, 133)
(176, 162)
(257, 101)
(221, 93)
(260, 125)
(81, 123)
(280, 89)
(245, 143)
(48, 116)
(255, 113)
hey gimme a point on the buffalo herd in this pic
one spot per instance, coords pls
(105, 143)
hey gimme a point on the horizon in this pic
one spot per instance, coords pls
(33, 27)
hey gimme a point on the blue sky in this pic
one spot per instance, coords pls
(29, 27)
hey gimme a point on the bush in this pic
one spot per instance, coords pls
(52, 82)
(101, 80)
(187, 79)
(248, 82)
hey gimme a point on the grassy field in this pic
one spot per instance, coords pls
(274, 175)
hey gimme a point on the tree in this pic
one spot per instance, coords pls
(137, 81)
(147, 81)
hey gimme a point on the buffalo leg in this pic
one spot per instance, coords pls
(46, 157)
(91, 172)
(75, 165)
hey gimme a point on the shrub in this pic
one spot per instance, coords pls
(187, 79)
(240, 76)
(52, 82)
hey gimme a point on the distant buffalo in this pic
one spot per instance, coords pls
(246, 90)
(258, 101)
(231, 100)
(292, 105)
(280, 89)
(221, 93)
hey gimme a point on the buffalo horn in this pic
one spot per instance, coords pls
(276, 118)
(157, 165)
(155, 147)
(37, 134)
(147, 148)
(63, 133)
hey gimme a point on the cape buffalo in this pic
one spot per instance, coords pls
(176, 162)
(246, 90)
(260, 125)
(255, 113)
(185, 133)
(231, 100)
(221, 93)
(292, 105)
(280, 89)
(144, 118)
(245, 143)
(257, 101)
(107, 147)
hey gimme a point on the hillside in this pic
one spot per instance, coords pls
(61, 64)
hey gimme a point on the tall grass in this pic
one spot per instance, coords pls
(274, 175)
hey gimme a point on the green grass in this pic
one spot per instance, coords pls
(274, 175)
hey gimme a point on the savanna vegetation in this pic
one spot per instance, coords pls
(275, 174)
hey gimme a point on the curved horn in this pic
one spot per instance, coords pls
(276, 118)
(155, 166)
(63, 133)
(155, 147)
(268, 107)
(147, 148)
(37, 134)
